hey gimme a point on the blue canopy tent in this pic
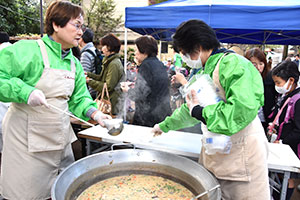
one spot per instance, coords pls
(235, 21)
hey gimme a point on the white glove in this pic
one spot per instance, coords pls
(100, 116)
(192, 100)
(156, 130)
(125, 86)
(37, 98)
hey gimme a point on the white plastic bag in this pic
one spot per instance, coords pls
(213, 143)
(207, 93)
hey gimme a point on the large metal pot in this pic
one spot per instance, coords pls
(89, 170)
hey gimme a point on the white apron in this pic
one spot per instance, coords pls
(243, 173)
(37, 140)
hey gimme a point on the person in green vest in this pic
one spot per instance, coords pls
(243, 170)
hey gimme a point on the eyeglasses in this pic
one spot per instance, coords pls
(78, 26)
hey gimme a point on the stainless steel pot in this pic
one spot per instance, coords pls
(89, 170)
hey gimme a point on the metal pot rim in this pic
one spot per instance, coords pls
(131, 156)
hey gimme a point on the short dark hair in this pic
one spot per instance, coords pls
(147, 45)
(4, 37)
(60, 12)
(88, 35)
(112, 42)
(285, 70)
(192, 34)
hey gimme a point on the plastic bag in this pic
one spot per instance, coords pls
(213, 142)
(207, 92)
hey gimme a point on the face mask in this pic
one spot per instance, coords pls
(195, 64)
(283, 89)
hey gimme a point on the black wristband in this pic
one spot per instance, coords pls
(197, 113)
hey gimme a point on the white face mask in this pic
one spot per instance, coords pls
(283, 89)
(195, 64)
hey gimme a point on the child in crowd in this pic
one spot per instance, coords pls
(286, 76)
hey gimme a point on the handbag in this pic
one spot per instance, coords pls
(104, 105)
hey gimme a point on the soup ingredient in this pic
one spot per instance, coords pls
(136, 187)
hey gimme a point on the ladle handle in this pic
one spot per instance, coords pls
(204, 193)
(60, 110)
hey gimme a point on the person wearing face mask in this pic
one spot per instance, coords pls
(42, 78)
(259, 61)
(286, 76)
(242, 172)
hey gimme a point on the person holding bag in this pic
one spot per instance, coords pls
(111, 74)
(243, 171)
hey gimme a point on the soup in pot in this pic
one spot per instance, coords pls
(136, 187)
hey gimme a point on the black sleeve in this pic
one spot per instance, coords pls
(197, 113)
(270, 96)
(294, 135)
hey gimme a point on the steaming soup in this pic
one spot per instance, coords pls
(136, 187)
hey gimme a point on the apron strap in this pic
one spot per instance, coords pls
(44, 53)
(73, 67)
(45, 56)
(216, 79)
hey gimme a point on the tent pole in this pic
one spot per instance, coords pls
(125, 71)
(285, 52)
(125, 49)
(41, 18)
(159, 50)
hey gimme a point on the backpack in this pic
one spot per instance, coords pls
(97, 61)
(289, 115)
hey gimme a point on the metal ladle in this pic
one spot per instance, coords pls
(204, 193)
(71, 115)
(114, 126)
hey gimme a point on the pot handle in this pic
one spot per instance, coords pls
(122, 144)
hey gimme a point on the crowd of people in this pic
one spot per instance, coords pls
(65, 69)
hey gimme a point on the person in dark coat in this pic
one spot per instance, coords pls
(151, 91)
